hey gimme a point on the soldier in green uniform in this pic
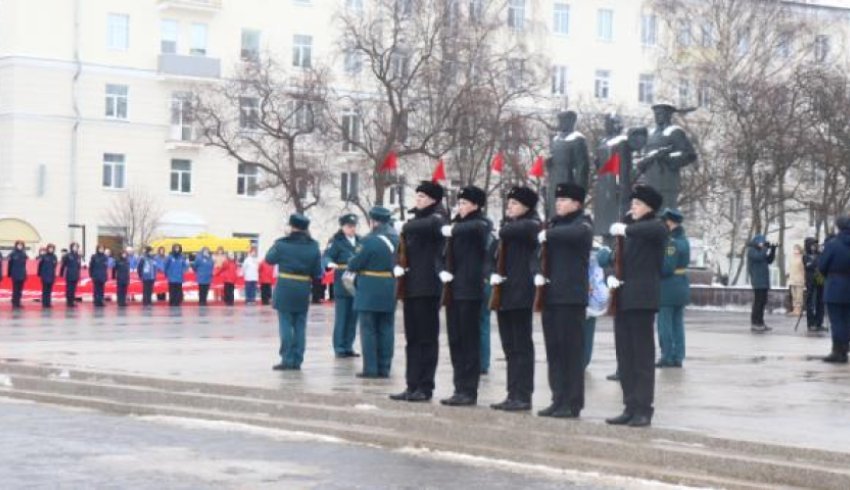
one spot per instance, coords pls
(341, 248)
(299, 260)
(675, 292)
(375, 299)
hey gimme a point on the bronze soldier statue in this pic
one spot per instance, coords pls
(670, 150)
(570, 160)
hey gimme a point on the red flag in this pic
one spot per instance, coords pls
(612, 166)
(439, 172)
(498, 163)
(390, 162)
(537, 168)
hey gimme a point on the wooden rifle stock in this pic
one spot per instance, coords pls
(446, 296)
(496, 289)
(618, 273)
(540, 291)
(403, 263)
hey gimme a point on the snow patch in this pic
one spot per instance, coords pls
(365, 406)
(226, 426)
(6, 381)
(574, 476)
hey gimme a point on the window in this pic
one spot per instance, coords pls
(559, 80)
(353, 62)
(116, 101)
(561, 19)
(684, 92)
(515, 73)
(646, 89)
(301, 115)
(649, 30)
(605, 25)
(118, 32)
(246, 180)
(821, 48)
(354, 5)
(683, 35)
(250, 45)
(181, 176)
(707, 34)
(516, 14)
(302, 50)
(349, 182)
(783, 45)
(400, 64)
(181, 116)
(199, 40)
(350, 131)
(168, 36)
(476, 9)
(113, 170)
(249, 112)
(703, 94)
(602, 84)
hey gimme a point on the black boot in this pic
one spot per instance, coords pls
(838, 355)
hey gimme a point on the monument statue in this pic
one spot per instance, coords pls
(606, 201)
(667, 151)
(569, 160)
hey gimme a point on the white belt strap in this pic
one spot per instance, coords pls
(388, 243)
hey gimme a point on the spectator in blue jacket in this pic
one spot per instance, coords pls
(175, 266)
(47, 273)
(160, 266)
(834, 263)
(99, 274)
(17, 272)
(147, 269)
(203, 267)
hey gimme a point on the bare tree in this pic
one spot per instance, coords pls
(137, 213)
(271, 118)
(439, 82)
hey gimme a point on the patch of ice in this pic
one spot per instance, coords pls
(365, 406)
(6, 381)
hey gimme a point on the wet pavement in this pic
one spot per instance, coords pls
(756, 387)
(48, 447)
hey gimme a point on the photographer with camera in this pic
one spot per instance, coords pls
(760, 255)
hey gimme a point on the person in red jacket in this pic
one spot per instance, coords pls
(227, 273)
(267, 280)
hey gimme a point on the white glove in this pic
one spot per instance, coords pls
(446, 230)
(398, 271)
(613, 282)
(618, 229)
(348, 275)
(541, 237)
(446, 276)
(332, 265)
(398, 225)
(539, 280)
(496, 279)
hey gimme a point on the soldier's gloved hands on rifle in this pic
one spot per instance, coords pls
(539, 280)
(613, 282)
(446, 276)
(398, 271)
(332, 265)
(446, 231)
(541, 237)
(618, 229)
(496, 279)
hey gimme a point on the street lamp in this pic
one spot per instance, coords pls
(83, 227)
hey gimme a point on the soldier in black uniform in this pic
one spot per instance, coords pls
(424, 246)
(465, 256)
(644, 241)
(518, 239)
(569, 236)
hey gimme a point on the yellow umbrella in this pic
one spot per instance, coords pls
(195, 244)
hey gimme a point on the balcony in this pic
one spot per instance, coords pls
(210, 6)
(184, 66)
